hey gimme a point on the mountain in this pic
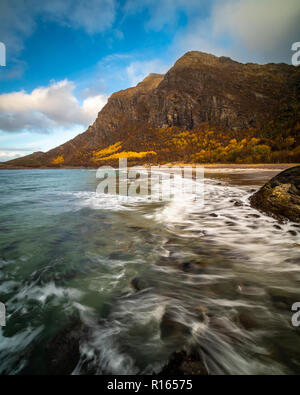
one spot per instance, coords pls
(204, 109)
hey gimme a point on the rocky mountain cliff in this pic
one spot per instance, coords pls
(203, 109)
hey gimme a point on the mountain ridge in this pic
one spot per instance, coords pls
(200, 92)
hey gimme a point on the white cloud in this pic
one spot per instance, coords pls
(198, 37)
(47, 108)
(247, 30)
(137, 71)
(164, 12)
(265, 28)
(16, 24)
(92, 105)
(258, 29)
(94, 16)
(8, 155)
(18, 18)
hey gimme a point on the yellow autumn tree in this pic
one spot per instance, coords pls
(128, 155)
(59, 160)
(107, 151)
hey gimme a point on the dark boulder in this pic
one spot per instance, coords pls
(280, 197)
(171, 328)
(183, 364)
(139, 284)
(63, 349)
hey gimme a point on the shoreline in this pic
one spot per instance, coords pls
(270, 166)
(265, 166)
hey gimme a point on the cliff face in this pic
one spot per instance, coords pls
(200, 89)
(203, 88)
(133, 104)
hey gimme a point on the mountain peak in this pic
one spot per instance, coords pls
(196, 58)
(199, 91)
(148, 84)
(151, 81)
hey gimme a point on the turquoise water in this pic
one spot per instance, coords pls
(227, 274)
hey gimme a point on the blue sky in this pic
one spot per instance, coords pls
(65, 57)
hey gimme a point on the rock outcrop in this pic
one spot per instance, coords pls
(280, 197)
(62, 351)
(183, 364)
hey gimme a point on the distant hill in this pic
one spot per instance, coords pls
(204, 109)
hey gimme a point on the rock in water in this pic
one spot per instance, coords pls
(280, 197)
(62, 351)
(139, 284)
(182, 364)
(171, 328)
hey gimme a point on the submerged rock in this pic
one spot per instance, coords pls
(237, 203)
(280, 197)
(293, 232)
(283, 298)
(183, 364)
(171, 328)
(62, 351)
(139, 284)
(247, 321)
(190, 267)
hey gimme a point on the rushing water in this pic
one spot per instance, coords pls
(228, 274)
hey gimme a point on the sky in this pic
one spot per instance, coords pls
(64, 58)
